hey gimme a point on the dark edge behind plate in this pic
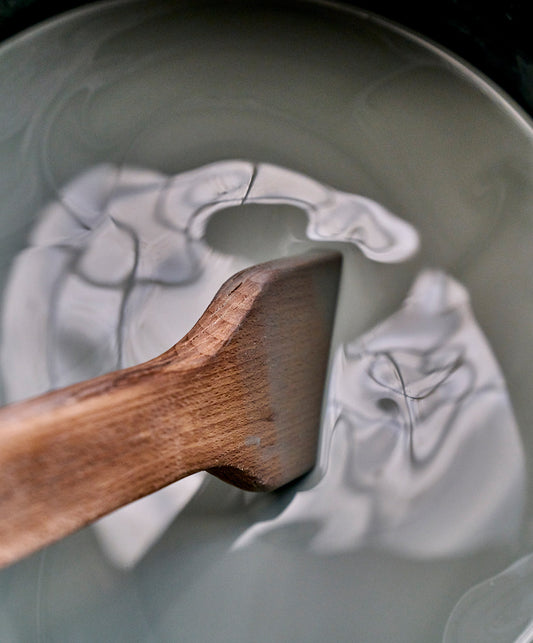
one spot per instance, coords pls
(492, 37)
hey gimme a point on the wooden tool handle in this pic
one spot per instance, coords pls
(73, 455)
(240, 396)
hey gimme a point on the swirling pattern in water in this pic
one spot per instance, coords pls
(418, 422)
(118, 269)
(121, 243)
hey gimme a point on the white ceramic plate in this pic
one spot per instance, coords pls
(357, 104)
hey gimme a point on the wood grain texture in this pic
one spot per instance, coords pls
(240, 396)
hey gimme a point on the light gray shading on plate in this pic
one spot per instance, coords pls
(499, 610)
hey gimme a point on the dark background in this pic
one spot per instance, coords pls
(492, 36)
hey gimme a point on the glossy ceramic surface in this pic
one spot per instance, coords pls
(421, 491)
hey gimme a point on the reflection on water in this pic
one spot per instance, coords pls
(117, 270)
(418, 419)
(421, 453)
(499, 610)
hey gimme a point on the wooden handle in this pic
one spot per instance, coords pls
(240, 396)
(76, 454)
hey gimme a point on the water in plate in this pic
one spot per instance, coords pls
(148, 152)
